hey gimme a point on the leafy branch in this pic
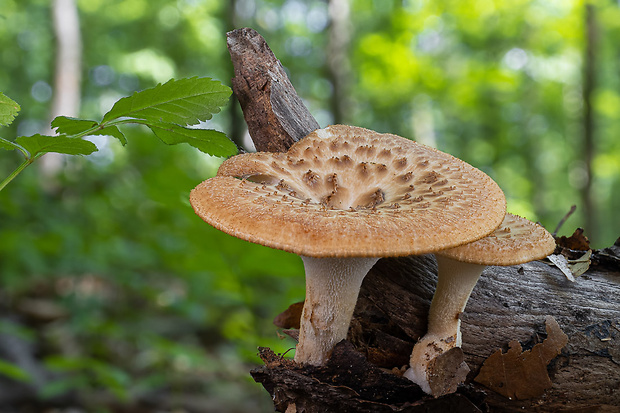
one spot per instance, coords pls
(167, 110)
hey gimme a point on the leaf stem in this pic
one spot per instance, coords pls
(15, 173)
(17, 146)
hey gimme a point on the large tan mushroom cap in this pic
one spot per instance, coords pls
(349, 191)
(515, 241)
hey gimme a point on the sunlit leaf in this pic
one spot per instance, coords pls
(184, 101)
(206, 140)
(60, 144)
(8, 110)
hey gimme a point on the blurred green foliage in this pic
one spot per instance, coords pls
(144, 296)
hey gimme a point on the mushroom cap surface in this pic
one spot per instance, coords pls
(345, 191)
(516, 241)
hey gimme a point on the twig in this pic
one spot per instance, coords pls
(563, 220)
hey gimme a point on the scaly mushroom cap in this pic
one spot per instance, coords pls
(515, 241)
(349, 191)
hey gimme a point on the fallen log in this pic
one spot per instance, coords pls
(513, 326)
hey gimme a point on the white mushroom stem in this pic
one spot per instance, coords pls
(332, 287)
(455, 282)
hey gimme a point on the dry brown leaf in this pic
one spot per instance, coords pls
(577, 242)
(290, 317)
(447, 371)
(519, 374)
(572, 268)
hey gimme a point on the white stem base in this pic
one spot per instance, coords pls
(455, 282)
(332, 287)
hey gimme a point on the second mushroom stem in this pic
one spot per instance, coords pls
(456, 280)
(332, 287)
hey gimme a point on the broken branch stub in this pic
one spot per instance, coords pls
(275, 114)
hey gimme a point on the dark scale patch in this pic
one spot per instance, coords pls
(430, 177)
(377, 198)
(332, 180)
(340, 162)
(400, 163)
(435, 194)
(423, 205)
(381, 168)
(311, 178)
(362, 169)
(299, 163)
(282, 186)
(385, 153)
(406, 177)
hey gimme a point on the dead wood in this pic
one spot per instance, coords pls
(275, 115)
(509, 303)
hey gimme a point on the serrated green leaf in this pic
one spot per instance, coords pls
(8, 110)
(206, 140)
(183, 101)
(114, 132)
(73, 126)
(60, 144)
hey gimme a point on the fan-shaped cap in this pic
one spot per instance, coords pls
(515, 241)
(349, 191)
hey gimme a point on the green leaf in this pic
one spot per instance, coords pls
(183, 101)
(8, 145)
(8, 110)
(14, 372)
(72, 126)
(206, 140)
(60, 144)
(114, 132)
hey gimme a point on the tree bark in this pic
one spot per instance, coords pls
(275, 115)
(508, 303)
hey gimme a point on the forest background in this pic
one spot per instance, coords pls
(125, 296)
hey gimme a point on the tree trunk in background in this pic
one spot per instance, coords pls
(67, 78)
(510, 307)
(589, 85)
(338, 65)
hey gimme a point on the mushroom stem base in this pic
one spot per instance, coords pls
(332, 287)
(455, 282)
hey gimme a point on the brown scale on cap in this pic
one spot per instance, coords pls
(352, 192)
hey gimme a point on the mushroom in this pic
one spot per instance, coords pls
(515, 241)
(341, 198)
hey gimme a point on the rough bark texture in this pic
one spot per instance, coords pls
(275, 114)
(509, 303)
